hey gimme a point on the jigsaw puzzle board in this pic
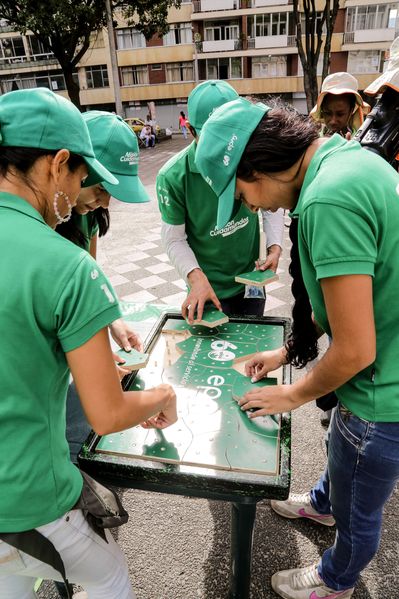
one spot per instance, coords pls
(205, 366)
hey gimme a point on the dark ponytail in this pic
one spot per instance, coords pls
(301, 345)
(280, 141)
(103, 220)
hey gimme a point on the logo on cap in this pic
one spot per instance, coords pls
(226, 160)
(130, 157)
(231, 142)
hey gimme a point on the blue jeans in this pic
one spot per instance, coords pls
(363, 468)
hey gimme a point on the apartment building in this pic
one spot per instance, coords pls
(250, 43)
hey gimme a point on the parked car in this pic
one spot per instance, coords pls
(137, 125)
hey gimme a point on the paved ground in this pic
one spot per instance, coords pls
(178, 548)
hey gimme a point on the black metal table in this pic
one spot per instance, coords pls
(243, 490)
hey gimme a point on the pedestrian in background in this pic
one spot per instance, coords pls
(340, 108)
(183, 124)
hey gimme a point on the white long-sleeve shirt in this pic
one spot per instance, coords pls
(181, 255)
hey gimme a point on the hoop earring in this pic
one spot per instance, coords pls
(66, 218)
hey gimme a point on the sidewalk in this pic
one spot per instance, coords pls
(176, 547)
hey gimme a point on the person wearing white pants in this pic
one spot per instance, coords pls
(99, 567)
(60, 303)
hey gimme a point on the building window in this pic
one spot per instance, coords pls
(179, 33)
(275, 23)
(224, 68)
(269, 66)
(376, 16)
(365, 61)
(12, 49)
(134, 75)
(97, 76)
(37, 49)
(222, 30)
(319, 16)
(156, 67)
(319, 67)
(53, 80)
(179, 71)
(129, 38)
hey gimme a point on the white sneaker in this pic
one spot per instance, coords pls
(299, 506)
(305, 583)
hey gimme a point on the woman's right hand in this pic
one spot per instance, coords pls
(262, 363)
(168, 414)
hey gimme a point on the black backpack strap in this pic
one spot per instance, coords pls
(38, 546)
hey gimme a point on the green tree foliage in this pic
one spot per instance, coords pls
(312, 38)
(64, 26)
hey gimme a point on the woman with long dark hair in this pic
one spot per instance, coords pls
(345, 258)
(55, 308)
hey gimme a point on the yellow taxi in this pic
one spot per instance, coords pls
(137, 125)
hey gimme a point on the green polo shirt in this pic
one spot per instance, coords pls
(348, 214)
(87, 224)
(54, 298)
(185, 198)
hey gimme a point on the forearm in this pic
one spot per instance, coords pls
(180, 254)
(333, 370)
(133, 408)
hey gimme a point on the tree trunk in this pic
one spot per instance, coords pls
(72, 87)
(311, 86)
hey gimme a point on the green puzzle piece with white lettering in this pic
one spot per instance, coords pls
(211, 317)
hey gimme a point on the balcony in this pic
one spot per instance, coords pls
(263, 3)
(374, 35)
(209, 5)
(364, 36)
(23, 62)
(270, 41)
(218, 5)
(219, 46)
(7, 29)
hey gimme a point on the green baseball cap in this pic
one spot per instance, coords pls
(116, 147)
(220, 147)
(39, 118)
(205, 98)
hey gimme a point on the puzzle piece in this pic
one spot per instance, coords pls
(149, 443)
(259, 456)
(257, 278)
(132, 360)
(211, 318)
(243, 384)
(177, 327)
